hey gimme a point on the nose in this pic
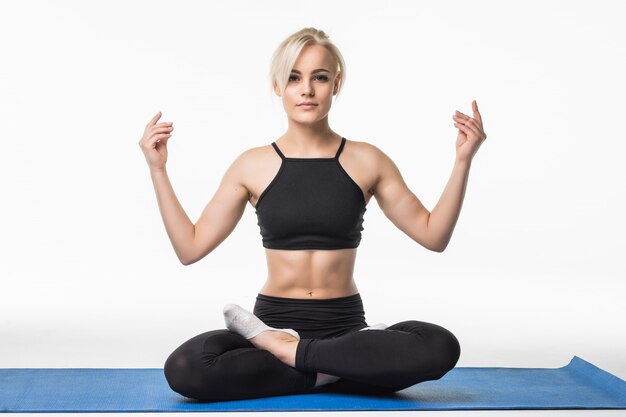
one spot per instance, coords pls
(307, 88)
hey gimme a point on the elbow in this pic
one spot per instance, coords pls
(434, 243)
(193, 258)
(186, 250)
(188, 256)
(434, 247)
(438, 249)
(187, 262)
(438, 246)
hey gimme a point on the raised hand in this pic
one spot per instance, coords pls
(154, 142)
(471, 134)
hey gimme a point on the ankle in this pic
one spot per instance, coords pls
(280, 344)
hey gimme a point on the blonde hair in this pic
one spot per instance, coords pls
(287, 52)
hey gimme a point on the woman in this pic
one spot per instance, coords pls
(310, 189)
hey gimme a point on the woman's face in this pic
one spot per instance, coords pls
(313, 79)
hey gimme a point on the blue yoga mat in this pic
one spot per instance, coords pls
(576, 385)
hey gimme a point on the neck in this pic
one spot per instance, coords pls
(309, 138)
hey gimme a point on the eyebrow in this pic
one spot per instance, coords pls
(312, 72)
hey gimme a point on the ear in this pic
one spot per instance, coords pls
(336, 86)
(276, 89)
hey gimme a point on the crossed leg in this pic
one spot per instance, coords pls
(398, 357)
(221, 365)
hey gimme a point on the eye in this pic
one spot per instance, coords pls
(320, 77)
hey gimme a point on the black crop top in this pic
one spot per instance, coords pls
(312, 203)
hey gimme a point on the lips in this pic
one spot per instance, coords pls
(307, 104)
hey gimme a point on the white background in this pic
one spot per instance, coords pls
(534, 273)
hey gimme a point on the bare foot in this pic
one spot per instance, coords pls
(280, 344)
(283, 346)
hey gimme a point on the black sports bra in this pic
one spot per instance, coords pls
(312, 203)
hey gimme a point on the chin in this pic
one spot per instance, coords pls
(306, 121)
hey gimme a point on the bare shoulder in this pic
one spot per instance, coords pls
(253, 167)
(367, 151)
(396, 200)
(247, 159)
(375, 159)
(258, 155)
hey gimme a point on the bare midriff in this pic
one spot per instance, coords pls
(310, 274)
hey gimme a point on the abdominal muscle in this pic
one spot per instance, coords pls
(310, 274)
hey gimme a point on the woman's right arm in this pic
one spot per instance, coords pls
(219, 218)
(177, 224)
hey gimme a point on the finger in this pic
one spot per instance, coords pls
(466, 117)
(162, 141)
(476, 112)
(461, 115)
(461, 127)
(468, 128)
(475, 126)
(467, 121)
(155, 130)
(161, 135)
(154, 119)
(162, 128)
(473, 122)
(162, 138)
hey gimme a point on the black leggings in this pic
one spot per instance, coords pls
(222, 365)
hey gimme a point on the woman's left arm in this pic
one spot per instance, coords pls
(445, 214)
(406, 211)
